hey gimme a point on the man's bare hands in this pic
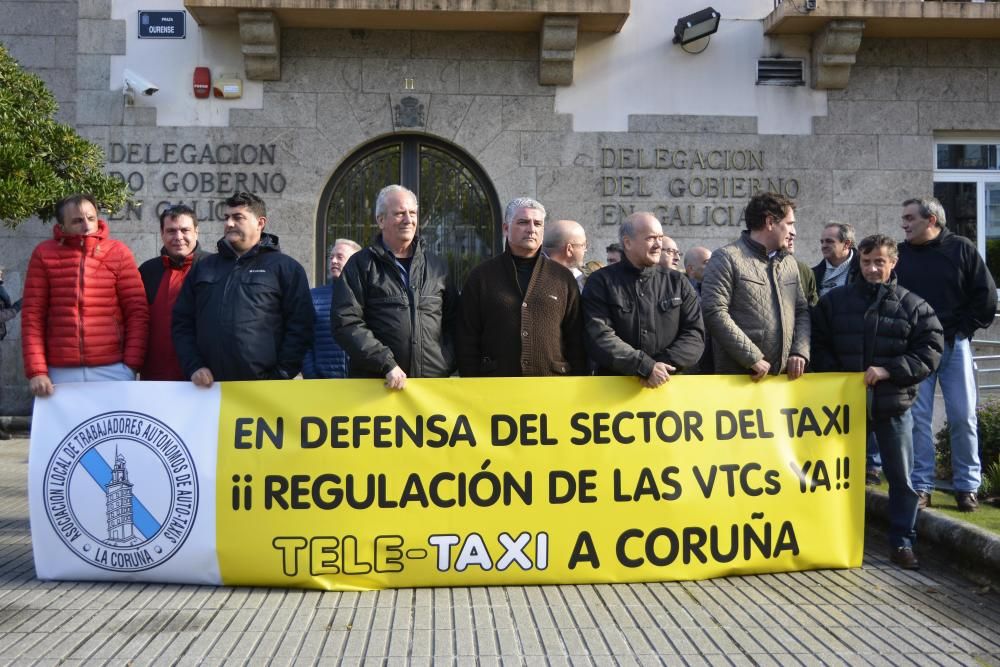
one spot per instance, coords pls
(41, 385)
(395, 379)
(759, 370)
(796, 367)
(202, 377)
(658, 376)
(875, 374)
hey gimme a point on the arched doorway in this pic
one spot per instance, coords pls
(459, 210)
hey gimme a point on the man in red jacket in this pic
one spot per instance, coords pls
(162, 277)
(84, 315)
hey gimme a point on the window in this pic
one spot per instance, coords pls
(459, 216)
(967, 181)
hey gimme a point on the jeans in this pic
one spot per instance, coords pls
(895, 442)
(958, 385)
(873, 461)
(117, 371)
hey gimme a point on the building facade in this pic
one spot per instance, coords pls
(586, 105)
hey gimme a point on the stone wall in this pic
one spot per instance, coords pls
(481, 92)
(42, 36)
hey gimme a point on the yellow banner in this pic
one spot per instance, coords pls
(343, 484)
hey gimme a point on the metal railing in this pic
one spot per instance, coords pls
(977, 371)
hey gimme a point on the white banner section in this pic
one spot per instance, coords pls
(121, 484)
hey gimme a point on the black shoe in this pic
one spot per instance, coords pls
(873, 477)
(967, 501)
(4, 434)
(923, 500)
(905, 558)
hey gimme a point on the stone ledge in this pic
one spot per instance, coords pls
(891, 18)
(978, 548)
(18, 426)
(488, 15)
(833, 54)
(558, 50)
(260, 34)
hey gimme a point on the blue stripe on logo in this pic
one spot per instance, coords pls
(100, 471)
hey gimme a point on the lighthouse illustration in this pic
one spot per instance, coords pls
(119, 504)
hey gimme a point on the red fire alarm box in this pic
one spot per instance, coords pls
(202, 82)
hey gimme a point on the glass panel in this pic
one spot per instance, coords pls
(959, 201)
(456, 218)
(351, 212)
(966, 156)
(993, 229)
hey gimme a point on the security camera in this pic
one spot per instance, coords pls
(137, 83)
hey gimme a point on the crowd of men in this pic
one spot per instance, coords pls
(901, 314)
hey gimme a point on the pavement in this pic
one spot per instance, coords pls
(944, 614)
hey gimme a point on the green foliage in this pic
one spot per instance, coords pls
(42, 161)
(991, 479)
(988, 414)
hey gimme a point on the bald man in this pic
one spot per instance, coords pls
(695, 261)
(566, 243)
(670, 254)
(641, 319)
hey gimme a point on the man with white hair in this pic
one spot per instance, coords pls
(520, 312)
(565, 242)
(394, 304)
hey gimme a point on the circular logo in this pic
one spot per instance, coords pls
(121, 491)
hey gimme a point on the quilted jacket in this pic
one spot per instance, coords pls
(754, 307)
(84, 304)
(861, 325)
(325, 359)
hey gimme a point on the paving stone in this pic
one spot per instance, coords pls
(872, 616)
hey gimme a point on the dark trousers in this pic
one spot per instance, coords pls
(895, 443)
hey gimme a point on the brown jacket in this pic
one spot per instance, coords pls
(754, 307)
(502, 335)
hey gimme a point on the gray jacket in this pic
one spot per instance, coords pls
(754, 307)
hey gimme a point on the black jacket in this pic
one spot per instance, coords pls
(949, 273)
(245, 318)
(853, 270)
(635, 317)
(381, 324)
(861, 325)
(152, 270)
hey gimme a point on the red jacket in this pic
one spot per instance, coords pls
(84, 304)
(162, 278)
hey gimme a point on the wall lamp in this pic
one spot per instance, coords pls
(695, 26)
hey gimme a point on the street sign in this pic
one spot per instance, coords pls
(161, 25)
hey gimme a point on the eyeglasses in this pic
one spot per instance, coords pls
(672, 251)
(585, 244)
